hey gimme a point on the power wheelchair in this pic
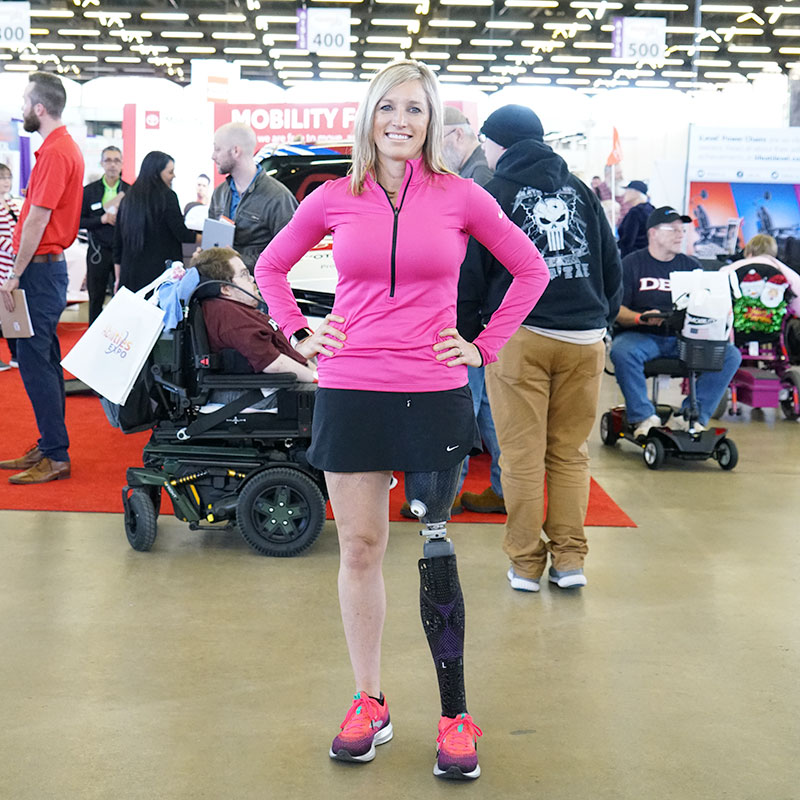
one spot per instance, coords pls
(232, 466)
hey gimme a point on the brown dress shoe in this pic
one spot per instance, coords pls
(487, 502)
(42, 472)
(33, 455)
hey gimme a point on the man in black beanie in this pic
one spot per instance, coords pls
(544, 387)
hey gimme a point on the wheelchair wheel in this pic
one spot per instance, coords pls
(140, 520)
(654, 454)
(790, 409)
(607, 432)
(280, 512)
(727, 454)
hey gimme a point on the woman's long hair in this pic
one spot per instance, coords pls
(365, 153)
(144, 204)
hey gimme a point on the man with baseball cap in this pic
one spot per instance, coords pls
(544, 388)
(632, 229)
(461, 149)
(646, 287)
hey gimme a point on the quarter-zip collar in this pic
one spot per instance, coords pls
(415, 173)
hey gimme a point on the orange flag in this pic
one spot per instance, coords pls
(615, 156)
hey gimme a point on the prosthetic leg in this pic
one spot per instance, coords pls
(430, 496)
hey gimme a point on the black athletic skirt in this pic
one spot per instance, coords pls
(358, 431)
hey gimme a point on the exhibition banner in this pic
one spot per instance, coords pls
(278, 123)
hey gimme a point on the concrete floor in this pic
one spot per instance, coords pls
(202, 670)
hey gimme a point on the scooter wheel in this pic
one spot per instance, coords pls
(727, 454)
(654, 453)
(607, 432)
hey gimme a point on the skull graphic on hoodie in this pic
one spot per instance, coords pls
(552, 224)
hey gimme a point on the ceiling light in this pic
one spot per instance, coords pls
(399, 2)
(491, 42)
(57, 13)
(389, 55)
(551, 70)
(531, 3)
(182, 34)
(587, 71)
(786, 31)
(20, 67)
(712, 62)
(729, 32)
(573, 81)
(789, 51)
(467, 2)
(56, 46)
(77, 32)
(277, 52)
(464, 68)
(570, 59)
(749, 48)
(238, 18)
(476, 57)
(676, 73)
(529, 79)
(593, 45)
(769, 65)
(436, 40)
(39, 32)
(713, 8)
(661, 6)
(148, 49)
(126, 32)
(574, 26)
(543, 44)
(653, 84)
(596, 4)
(493, 79)
(292, 74)
(122, 60)
(294, 64)
(337, 76)
(422, 55)
(278, 37)
(456, 78)
(251, 62)
(723, 75)
(694, 85)
(242, 51)
(403, 23)
(337, 65)
(241, 37)
(398, 40)
(451, 23)
(509, 24)
(163, 16)
(80, 59)
(195, 49)
(113, 48)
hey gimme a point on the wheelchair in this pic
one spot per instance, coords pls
(233, 466)
(662, 441)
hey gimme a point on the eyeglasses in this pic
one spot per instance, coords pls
(452, 130)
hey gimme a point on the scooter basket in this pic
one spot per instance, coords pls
(702, 355)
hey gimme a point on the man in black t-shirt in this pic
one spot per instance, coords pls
(646, 287)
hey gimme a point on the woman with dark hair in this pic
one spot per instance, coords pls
(150, 228)
(9, 214)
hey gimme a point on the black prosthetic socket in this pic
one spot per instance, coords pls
(442, 610)
(436, 490)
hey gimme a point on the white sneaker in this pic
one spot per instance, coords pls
(682, 424)
(642, 428)
(522, 584)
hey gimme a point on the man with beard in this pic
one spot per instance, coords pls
(544, 387)
(258, 204)
(461, 148)
(48, 224)
(98, 216)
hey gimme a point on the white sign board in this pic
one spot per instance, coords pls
(15, 24)
(324, 30)
(744, 155)
(640, 39)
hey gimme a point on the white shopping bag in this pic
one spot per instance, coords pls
(112, 352)
(706, 296)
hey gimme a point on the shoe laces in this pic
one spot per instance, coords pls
(458, 735)
(361, 713)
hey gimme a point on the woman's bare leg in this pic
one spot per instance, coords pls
(360, 502)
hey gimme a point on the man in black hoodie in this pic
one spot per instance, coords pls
(544, 387)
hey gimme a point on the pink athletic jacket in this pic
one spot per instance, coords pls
(398, 276)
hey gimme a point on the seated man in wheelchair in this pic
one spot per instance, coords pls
(234, 321)
(646, 288)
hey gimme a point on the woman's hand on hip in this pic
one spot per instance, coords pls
(455, 350)
(326, 339)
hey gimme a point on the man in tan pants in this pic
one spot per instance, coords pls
(543, 390)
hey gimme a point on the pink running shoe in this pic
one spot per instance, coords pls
(367, 723)
(457, 758)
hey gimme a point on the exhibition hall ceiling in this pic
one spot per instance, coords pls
(485, 43)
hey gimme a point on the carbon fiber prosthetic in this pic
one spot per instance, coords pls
(430, 495)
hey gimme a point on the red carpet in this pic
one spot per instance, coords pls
(100, 455)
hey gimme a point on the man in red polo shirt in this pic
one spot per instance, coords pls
(48, 224)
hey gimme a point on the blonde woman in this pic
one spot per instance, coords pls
(393, 380)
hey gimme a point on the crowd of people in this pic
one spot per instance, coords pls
(477, 280)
